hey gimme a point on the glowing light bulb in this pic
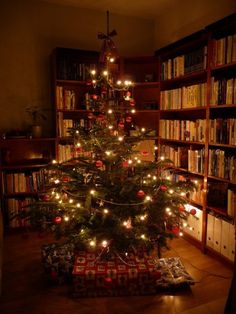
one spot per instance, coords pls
(57, 196)
(162, 158)
(120, 138)
(133, 110)
(143, 129)
(94, 81)
(168, 178)
(155, 148)
(105, 73)
(143, 236)
(109, 111)
(78, 205)
(57, 181)
(93, 72)
(112, 60)
(171, 191)
(106, 211)
(119, 82)
(139, 161)
(104, 243)
(196, 181)
(60, 202)
(110, 127)
(143, 217)
(182, 194)
(92, 243)
(168, 209)
(154, 178)
(71, 201)
(148, 198)
(108, 153)
(92, 192)
(66, 218)
(181, 234)
(54, 161)
(82, 231)
(77, 131)
(185, 224)
(130, 161)
(78, 144)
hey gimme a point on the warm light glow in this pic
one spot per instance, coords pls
(108, 153)
(57, 181)
(162, 158)
(120, 138)
(66, 218)
(93, 72)
(105, 73)
(171, 191)
(181, 234)
(182, 194)
(168, 209)
(119, 82)
(154, 177)
(110, 127)
(112, 60)
(78, 205)
(92, 243)
(57, 196)
(130, 161)
(106, 211)
(109, 111)
(143, 236)
(143, 129)
(143, 217)
(94, 81)
(77, 131)
(71, 201)
(78, 144)
(148, 198)
(155, 148)
(185, 224)
(104, 243)
(92, 192)
(54, 161)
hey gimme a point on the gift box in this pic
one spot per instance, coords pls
(96, 276)
(173, 274)
(58, 261)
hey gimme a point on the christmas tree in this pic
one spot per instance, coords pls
(108, 198)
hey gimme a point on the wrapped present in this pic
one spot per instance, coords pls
(58, 261)
(95, 276)
(173, 273)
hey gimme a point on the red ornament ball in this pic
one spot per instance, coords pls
(46, 198)
(108, 280)
(121, 125)
(99, 163)
(128, 94)
(65, 179)
(100, 117)
(57, 220)
(125, 164)
(145, 153)
(181, 208)
(175, 230)
(163, 188)
(128, 119)
(140, 193)
(193, 211)
(90, 115)
(132, 102)
(95, 97)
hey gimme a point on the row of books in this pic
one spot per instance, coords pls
(222, 131)
(70, 69)
(69, 151)
(221, 236)
(14, 207)
(224, 50)
(185, 97)
(66, 125)
(221, 196)
(20, 182)
(222, 164)
(65, 98)
(223, 91)
(181, 65)
(183, 157)
(183, 130)
(197, 195)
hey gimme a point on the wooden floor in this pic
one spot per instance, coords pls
(25, 290)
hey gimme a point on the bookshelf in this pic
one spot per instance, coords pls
(22, 175)
(197, 129)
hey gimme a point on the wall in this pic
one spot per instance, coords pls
(29, 31)
(188, 17)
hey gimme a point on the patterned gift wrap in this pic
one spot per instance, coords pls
(58, 261)
(93, 276)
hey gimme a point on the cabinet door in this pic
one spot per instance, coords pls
(217, 234)
(225, 237)
(210, 230)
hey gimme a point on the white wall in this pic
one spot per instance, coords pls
(188, 17)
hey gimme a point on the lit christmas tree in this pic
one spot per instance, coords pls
(108, 198)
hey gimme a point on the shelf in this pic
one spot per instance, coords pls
(26, 139)
(26, 164)
(227, 146)
(21, 194)
(187, 78)
(221, 179)
(187, 143)
(223, 67)
(72, 82)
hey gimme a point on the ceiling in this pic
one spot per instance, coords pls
(148, 9)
